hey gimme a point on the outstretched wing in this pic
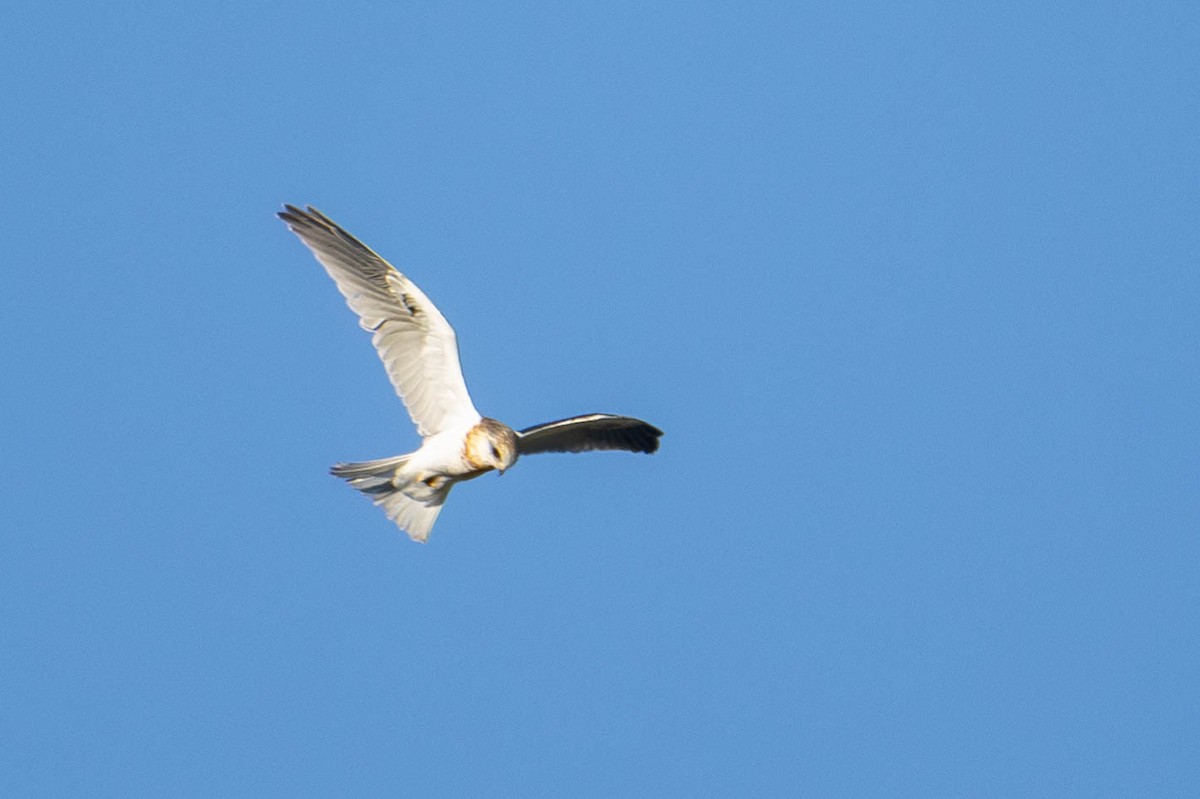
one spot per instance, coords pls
(415, 342)
(586, 433)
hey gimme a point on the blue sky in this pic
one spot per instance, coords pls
(912, 290)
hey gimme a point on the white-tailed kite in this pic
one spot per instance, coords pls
(420, 352)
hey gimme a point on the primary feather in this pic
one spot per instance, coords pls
(590, 432)
(415, 342)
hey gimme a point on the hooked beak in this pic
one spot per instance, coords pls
(501, 472)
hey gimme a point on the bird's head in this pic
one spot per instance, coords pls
(492, 445)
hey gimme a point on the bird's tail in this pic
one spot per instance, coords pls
(381, 481)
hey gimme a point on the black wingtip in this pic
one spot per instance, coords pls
(647, 437)
(292, 215)
(309, 218)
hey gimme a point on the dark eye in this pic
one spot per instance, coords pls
(495, 452)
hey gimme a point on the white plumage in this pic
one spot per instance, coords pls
(420, 353)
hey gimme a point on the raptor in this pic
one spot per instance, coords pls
(420, 353)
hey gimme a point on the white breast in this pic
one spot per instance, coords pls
(443, 453)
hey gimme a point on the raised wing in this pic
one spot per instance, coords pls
(415, 342)
(591, 432)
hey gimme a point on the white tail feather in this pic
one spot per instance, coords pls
(379, 481)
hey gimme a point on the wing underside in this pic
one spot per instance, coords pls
(415, 342)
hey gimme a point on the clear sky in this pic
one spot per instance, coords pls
(912, 289)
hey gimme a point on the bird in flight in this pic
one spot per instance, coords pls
(420, 353)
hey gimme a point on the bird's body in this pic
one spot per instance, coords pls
(420, 352)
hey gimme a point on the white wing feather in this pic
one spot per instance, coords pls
(415, 342)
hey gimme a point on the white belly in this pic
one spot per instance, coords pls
(437, 465)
